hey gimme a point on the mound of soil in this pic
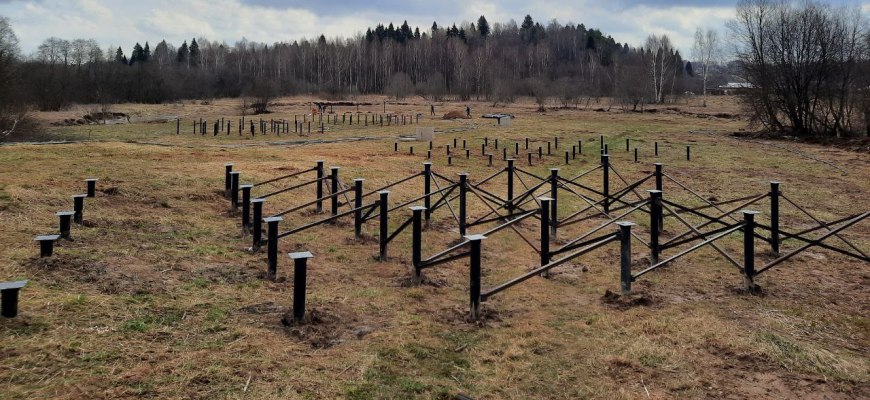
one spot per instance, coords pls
(325, 326)
(99, 118)
(112, 191)
(725, 115)
(455, 115)
(621, 302)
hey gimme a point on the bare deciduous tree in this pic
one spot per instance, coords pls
(8, 55)
(541, 90)
(400, 86)
(244, 105)
(10, 107)
(262, 93)
(803, 62)
(706, 52)
(660, 64)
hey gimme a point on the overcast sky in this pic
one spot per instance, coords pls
(123, 23)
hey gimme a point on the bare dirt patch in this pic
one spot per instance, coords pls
(326, 326)
(105, 276)
(621, 302)
(490, 317)
(229, 273)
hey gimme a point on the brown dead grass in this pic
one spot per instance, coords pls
(157, 296)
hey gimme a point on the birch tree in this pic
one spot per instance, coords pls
(660, 64)
(706, 52)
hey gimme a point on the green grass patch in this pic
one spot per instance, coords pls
(367, 293)
(398, 370)
(75, 303)
(197, 283)
(151, 319)
(5, 199)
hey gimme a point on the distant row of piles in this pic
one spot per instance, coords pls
(279, 126)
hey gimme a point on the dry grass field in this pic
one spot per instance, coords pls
(157, 297)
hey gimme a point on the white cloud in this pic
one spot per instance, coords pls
(127, 22)
(627, 24)
(475, 8)
(679, 23)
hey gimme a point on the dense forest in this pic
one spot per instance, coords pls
(477, 60)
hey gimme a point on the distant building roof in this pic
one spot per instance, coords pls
(497, 116)
(736, 85)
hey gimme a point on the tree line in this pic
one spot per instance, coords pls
(475, 60)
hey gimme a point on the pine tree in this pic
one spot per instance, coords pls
(417, 32)
(453, 31)
(528, 23)
(434, 28)
(119, 56)
(137, 54)
(539, 32)
(689, 69)
(678, 60)
(483, 26)
(527, 29)
(194, 52)
(405, 33)
(146, 53)
(183, 53)
(369, 35)
(391, 31)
